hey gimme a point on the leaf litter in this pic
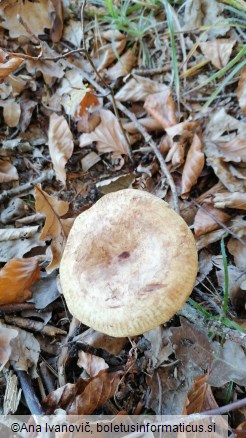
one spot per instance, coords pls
(68, 118)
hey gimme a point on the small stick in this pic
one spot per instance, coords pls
(28, 391)
(46, 176)
(61, 363)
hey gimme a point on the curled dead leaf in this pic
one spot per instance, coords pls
(107, 134)
(16, 277)
(162, 108)
(123, 66)
(218, 51)
(205, 219)
(230, 200)
(55, 228)
(60, 145)
(57, 21)
(8, 64)
(138, 88)
(6, 335)
(193, 166)
(8, 172)
(234, 150)
(92, 364)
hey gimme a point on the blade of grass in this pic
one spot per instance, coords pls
(170, 24)
(226, 278)
(201, 309)
(223, 84)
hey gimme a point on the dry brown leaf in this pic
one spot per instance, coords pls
(60, 145)
(107, 134)
(241, 90)
(205, 221)
(8, 172)
(35, 14)
(200, 397)
(234, 150)
(224, 172)
(91, 363)
(57, 21)
(16, 277)
(106, 54)
(193, 165)
(218, 51)
(15, 242)
(25, 352)
(162, 108)
(6, 335)
(11, 113)
(123, 66)
(54, 227)
(176, 153)
(138, 88)
(205, 13)
(8, 64)
(97, 392)
(238, 250)
(230, 200)
(99, 340)
(89, 161)
(149, 124)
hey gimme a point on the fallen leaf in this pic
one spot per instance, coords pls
(27, 108)
(6, 336)
(57, 21)
(191, 345)
(92, 364)
(16, 277)
(218, 51)
(200, 13)
(8, 172)
(160, 346)
(229, 364)
(241, 90)
(99, 389)
(149, 123)
(25, 352)
(224, 172)
(45, 290)
(162, 108)
(230, 200)
(88, 104)
(193, 165)
(8, 64)
(138, 88)
(116, 183)
(99, 340)
(11, 113)
(60, 145)
(123, 66)
(107, 53)
(205, 265)
(205, 219)
(15, 242)
(234, 150)
(107, 134)
(200, 397)
(35, 14)
(238, 250)
(54, 227)
(83, 397)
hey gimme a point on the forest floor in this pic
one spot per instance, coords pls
(97, 97)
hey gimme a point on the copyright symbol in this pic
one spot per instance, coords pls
(15, 427)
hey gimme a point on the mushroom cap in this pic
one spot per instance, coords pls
(129, 264)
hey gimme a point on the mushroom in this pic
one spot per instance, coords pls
(129, 264)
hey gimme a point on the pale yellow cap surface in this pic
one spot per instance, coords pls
(129, 264)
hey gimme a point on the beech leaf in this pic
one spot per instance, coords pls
(193, 166)
(229, 364)
(218, 51)
(200, 397)
(234, 150)
(16, 277)
(8, 172)
(138, 88)
(60, 145)
(230, 200)
(162, 108)
(107, 134)
(205, 219)
(54, 228)
(8, 64)
(92, 364)
(6, 335)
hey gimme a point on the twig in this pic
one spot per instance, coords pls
(103, 82)
(61, 363)
(196, 318)
(206, 298)
(218, 221)
(224, 409)
(46, 176)
(28, 391)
